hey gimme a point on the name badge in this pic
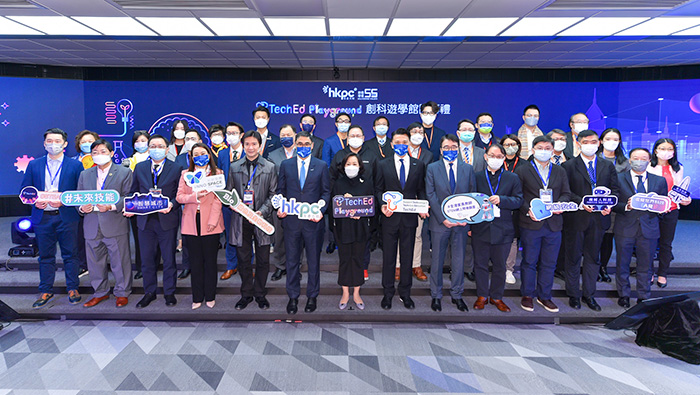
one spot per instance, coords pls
(248, 196)
(546, 195)
(156, 191)
(496, 211)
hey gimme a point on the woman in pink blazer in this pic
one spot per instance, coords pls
(202, 224)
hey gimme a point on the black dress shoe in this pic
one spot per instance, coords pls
(591, 303)
(407, 302)
(146, 300)
(633, 271)
(184, 274)
(386, 302)
(603, 275)
(470, 276)
(138, 275)
(330, 248)
(461, 306)
(277, 275)
(310, 305)
(624, 302)
(262, 302)
(661, 285)
(243, 303)
(170, 300)
(559, 274)
(575, 303)
(292, 306)
(436, 305)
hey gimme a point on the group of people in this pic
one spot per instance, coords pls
(420, 161)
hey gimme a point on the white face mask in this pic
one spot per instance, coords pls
(511, 150)
(664, 155)
(559, 145)
(179, 134)
(352, 171)
(611, 145)
(495, 163)
(428, 119)
(54, 149)
(589, 149)
(416, 139)
(188, 145)
(381, 130)
(543, 155)
(101, 159)
(233, 139)
(580, 127)
(355, 142)
(260, 123)
(216, 140)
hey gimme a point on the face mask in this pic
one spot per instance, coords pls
(466, 137)
(589, 149)
(495, 163)
(381, 130)
(511, 150)
(401, 149)
(428, 119)
(580, 127)
(188, 145)
(100, 160)
(559, 145)
(543, 155)
(287, 141)
(639, 165)
(303, 152)
(201, 160)
(485, 128)
(531, 121)
(352, 171)
(157, 153)
(260, 123)
(217, 140)
(416, 139)
(85, 147)
(611, 145)
(233, 139)
(179, 134)
(54, 149)
(343, 127)
(141, 146)
(307, 127)
(664, 155)
(450, 155)
(355, 142)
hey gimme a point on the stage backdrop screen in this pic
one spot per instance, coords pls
(642, 111)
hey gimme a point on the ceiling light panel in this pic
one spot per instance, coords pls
(55, 25)
(176, 26)
(293, 27)
(601, 26)
(357, 27)
(540, 26)
(115, 26)
(8, 27)
(482, 27)
(418, 27)
(661, 26)
(236, 26)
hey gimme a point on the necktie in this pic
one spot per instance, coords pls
(302, 174)
(453, 182)
(591, 173)
(234, 155)
(155, 174)
(557, 159)
(640, 185)
(466, 156)
(402, 174)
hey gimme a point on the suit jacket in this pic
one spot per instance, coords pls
(627, 223)
(388, 180)
(425, 156)
(437, 189)
(380, 151)
(223, 161)
(522, 136)
(168, 182)
(478, 162)
(110, 223)
(317, 186)
(331, 146)
(317, 151)
(480, 143)
(278, 156)
(434, 135)
(68, 181)
(183, 160)
(264, 185)
(532, 183)
(367, 156)
(580, 185)
(209, 210)
(570, 142)
(501, 229)
(271, 144)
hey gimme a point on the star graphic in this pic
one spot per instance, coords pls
(4, 105)
(5, 122)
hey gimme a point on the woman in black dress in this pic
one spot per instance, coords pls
(351, 234)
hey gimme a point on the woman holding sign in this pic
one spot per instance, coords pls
(352, 233)
(202, 224)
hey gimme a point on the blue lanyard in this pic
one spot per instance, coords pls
(251, 177)
(544, 184)
(102, 188)
(489, 181)
(52, 178)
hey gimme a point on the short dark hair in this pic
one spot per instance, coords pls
(157, 136)
(340, 114)
(212, 161)
(496, 145)
(400, 131)
(540, 139)
(341, 165)
(531, 107)
(556, 131)
(484, 114)
(286, 125)
(56, 131)
(356, 126)
(216, 128)
(586, 133)
(83, 134)
(450, 137)
(571, 118)
(199, 135)
(640, 149)
(467, 121)
(308, 115)
(136, 136)
(303, 133)
(431, 104)
(380, 117)
(263, 109)
(514, 137)
(101, 141)
(240, 127)
(252, 133)
(413, 126)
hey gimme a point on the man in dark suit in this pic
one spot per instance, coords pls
(160, 176)
(227, 156)
(433, 134)
(540, 239)
(636, 228)
(307, 123)
(305, 179)
(380, 144)
(447, 177)
(586, 227)
(261, 117)
(404, 174)
(54, 222)
(577, 123)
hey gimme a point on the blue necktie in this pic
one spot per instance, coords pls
(640, 185)
(466, 155)
(402, 174)
(591, 173)
(557, 159)
(302, 174)
(453, 182)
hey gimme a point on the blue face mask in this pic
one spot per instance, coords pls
(343, 127)
(157, 153)
(466, 136)
(201, 160)
(307, 127)
(531, 121)
(401, 149)
(141, 147)
(450, 155)
(303, 152)
(287, 141)
(85, 147)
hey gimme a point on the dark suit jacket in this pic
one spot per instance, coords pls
(264, 185)
(434, 148)
(278, 156)
(386, 150)
(272, 143)
(569, 150)
(317, 186)
(580, 185)
(183, 160)
(168, 182)
(501, 229)
(317, 151)
(478, 162)
(532, 183)
(388, 180)
(425, 156)
(368, 157)
(223, 161)
(437, 188)
(628, 222)
(35, 176)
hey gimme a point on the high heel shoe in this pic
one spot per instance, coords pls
(342, 305)
(660, 284)
(360, 306)
(211, 304)
(195, 306)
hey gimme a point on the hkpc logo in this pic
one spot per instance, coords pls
(351, 94)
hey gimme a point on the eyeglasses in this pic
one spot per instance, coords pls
(417, 131)
(449, 148)
(343, 121)
(156, 146)
(666, 149)
(192, 139)
(303, 144)
(511, 145)
(233, 133)
(427, 113)
(467, 130)
(495, 157)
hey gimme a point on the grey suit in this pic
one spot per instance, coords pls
(479, 165)
(107, 234)
(279, 255)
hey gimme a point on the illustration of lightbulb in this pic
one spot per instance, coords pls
(125, 107)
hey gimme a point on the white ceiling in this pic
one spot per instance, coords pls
(204, 48)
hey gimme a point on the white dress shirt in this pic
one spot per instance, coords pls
(470, 148)
(447, 168)
(381, 141)
(306, 166)
(406, 165)
(55, 165)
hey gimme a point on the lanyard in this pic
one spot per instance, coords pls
(517, 158)
(52, 178)
(548, 175)
(420, 149)
(156, 174)
(493, 192)
(102, 187)
(251, 177)
(381, 150)
(341, 142)
(430, 140)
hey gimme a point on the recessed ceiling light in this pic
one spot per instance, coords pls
(55, 25)
(297, 26)
(419, 27)
(115, 26)
(661, 26)
(540, 26)
(236, 26)
(176, 26)
(601, 26)
(10, 27)
(484, 27)
(357, 27)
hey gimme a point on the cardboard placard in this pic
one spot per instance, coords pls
(78, 198)
(679, 193)
(354, 206)
(198, 182)
(231, 198)
(31, 195)
(471, 208)
(302, 210)
(542, 210)
(145, 203)
(397, 204)
(600, 199)
(650, 202)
